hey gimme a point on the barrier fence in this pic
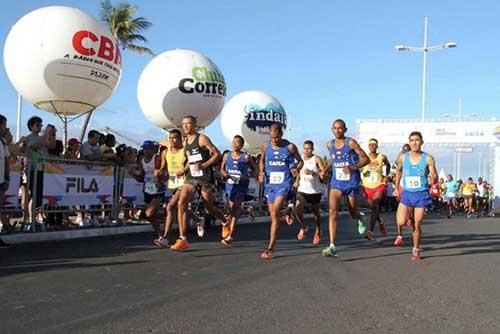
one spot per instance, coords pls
(59, 186)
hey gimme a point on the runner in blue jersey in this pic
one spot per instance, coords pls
(346, 159)
(235, 169)
(278, 155)
(415, 171)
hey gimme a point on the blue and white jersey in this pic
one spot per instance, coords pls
(343, 157)
(278, 164)
(236, 168)
(415, 177)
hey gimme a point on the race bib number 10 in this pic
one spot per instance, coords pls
(412, 182)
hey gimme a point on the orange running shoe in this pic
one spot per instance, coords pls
(416, 254)
(302, 233)
(267, 254)
(180, 245)
(316, 239)
(226, 231)
(399, 241)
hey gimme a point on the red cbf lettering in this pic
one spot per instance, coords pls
(78, 42)
(107, 49)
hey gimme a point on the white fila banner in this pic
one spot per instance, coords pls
(132, 192)
(66, 184)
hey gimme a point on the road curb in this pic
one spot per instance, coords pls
(26, 237)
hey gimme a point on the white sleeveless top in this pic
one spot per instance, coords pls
(150, 186)
(309, 184)
(480, 189)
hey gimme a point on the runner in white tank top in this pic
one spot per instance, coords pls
(309, 190)
(154, 185)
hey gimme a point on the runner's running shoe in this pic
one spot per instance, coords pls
(161, 242)
(370, 235)
(329, 251)
(302, 234)
(267, 254)
(361, 223)
(180, 245)
(227, 241)
(225, 230)
(416, 254)
(200, 229)
(316, 239)
(399, 241)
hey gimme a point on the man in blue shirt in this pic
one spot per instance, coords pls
(450, 196)
(415, 171)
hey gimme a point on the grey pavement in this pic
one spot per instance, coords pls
(123, 284)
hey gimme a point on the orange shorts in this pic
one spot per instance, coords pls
(370, 192)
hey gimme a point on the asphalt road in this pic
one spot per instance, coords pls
(123, 284)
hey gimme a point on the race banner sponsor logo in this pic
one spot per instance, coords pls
(132, 193)
(66, 184)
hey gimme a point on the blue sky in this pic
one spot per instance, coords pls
(322, 59)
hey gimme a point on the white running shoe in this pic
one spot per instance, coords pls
(200, 228)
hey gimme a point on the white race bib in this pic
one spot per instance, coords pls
(412, 182)
(194, 158)
(374, 177)
(195, 172)
(234, 179)
(176, 181)
(340, 175)
(150, 185)
(276, 177)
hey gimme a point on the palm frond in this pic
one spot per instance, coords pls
(139, 49)
(124, 27)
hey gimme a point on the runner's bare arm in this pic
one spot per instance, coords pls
(262, 162)
(387, 164)
(206, 143)
(363, 158)
(328, 166)
(295, 152)
(253, 166)
(223, 165)
(397, 178)
(321, 166)
(431, 163)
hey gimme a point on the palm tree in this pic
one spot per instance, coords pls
(124, 27)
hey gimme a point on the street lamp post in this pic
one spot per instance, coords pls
(425, 49)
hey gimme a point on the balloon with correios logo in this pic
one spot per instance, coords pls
(62, 60)
(250, 114)
(178, 83)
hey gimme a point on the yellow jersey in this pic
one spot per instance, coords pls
(175, 164)
(371, 174)
(467, 189)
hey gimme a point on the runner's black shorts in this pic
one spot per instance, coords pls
(148, 198)
(309, 198)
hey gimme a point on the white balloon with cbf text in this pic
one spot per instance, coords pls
(179, 83)
(62, 60)
(250, 114)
